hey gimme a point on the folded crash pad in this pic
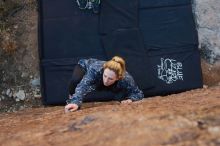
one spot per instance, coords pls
(158, 40)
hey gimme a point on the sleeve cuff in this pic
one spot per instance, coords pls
(73, 101)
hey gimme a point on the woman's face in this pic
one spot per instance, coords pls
(109, 77)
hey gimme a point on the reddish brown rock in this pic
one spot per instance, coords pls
(185, 119)
(211, 73)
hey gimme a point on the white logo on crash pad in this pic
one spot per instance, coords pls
(170, 70)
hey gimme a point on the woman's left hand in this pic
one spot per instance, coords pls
(126, 101)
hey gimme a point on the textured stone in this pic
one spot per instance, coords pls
(20, 95)
(207, 17)
(214, 130)
(8, 91)
(211, 73)
(35, 82)
(186, 119)
(207, 14)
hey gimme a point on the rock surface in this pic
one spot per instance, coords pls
(211, 73)
(20, 95)
(207, 14)
(19, 64)
(186, 119)
(207, 17)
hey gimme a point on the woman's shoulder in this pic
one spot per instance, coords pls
(90, 61)
(91, 64)
(96, 64)
(127, 80)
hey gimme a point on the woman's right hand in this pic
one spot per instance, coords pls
(71, 107)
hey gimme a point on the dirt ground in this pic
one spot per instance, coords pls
(187, 119)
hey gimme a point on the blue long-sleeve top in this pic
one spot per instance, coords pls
(93, 77)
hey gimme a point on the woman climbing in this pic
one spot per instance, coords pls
(93, 74)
